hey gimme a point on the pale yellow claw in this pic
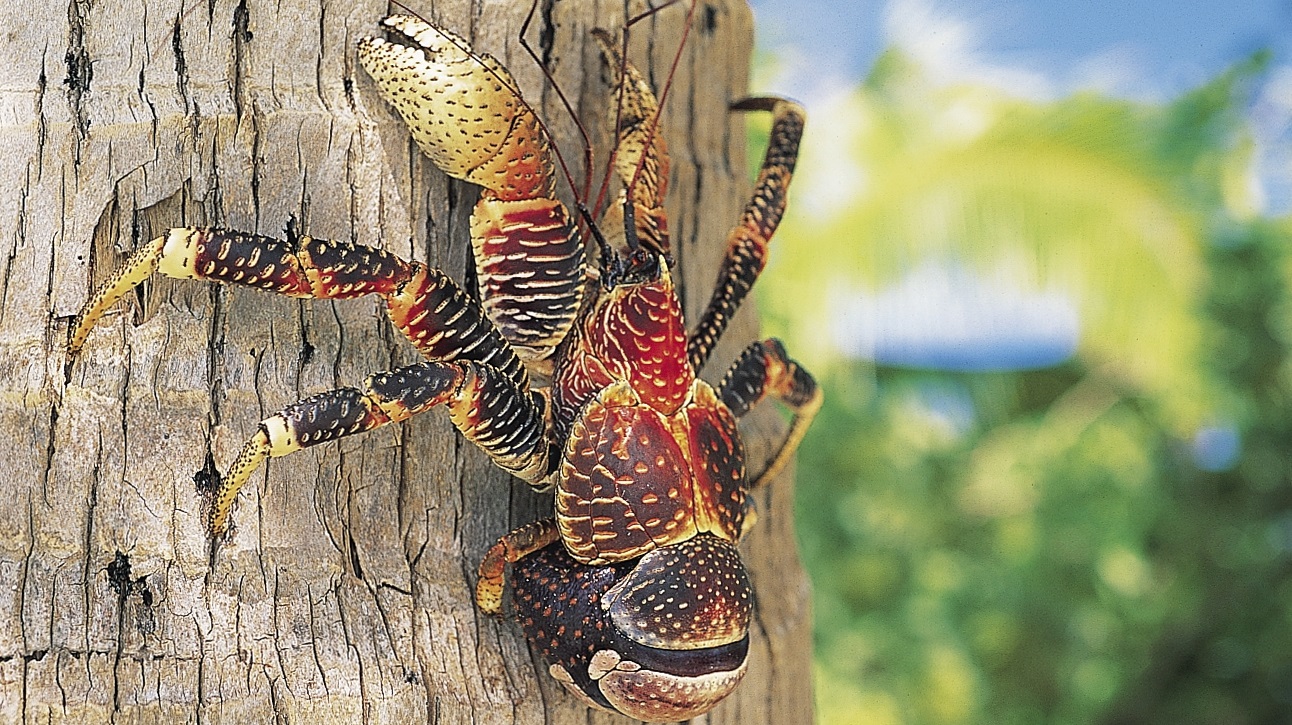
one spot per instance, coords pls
(803, 416)
(253, 453)
(274, 438)
(461, 107)
(138, 267)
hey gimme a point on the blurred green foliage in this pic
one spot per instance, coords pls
(1108, 541)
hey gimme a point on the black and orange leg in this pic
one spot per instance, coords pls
(764, 369)
(506, 422)
(748, 240)
(489, 397)
(297, 266)
(425, 304)
(510, 549)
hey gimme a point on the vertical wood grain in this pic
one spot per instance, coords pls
(344, 594)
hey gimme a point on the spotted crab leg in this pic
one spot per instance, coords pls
(764, 369)
(425, 304)
(510, 549)
(465, 112)
(504, 421)
(748, 240)
(470, 367)
(641, 156)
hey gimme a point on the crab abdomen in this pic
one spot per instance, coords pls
(633, 479)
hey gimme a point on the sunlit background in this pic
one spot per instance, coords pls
(1040, 258)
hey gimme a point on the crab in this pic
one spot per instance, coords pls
(633, 592)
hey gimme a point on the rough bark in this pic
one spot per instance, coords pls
(344, 594)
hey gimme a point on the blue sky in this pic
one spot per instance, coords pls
(1150, 50)
(1165, 47)
(1040, 49)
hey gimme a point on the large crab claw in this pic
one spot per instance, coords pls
(462, 108)
(466, 114)
(661, 639)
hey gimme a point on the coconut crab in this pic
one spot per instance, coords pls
(633, 592)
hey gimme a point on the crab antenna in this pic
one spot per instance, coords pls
(569, 109)
(623, 66)
(619, 101)
(668, 84)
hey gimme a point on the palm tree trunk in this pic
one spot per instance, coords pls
(344, 595)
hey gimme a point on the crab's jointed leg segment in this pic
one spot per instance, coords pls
(641, 156)
(508, 550)
(747, 242)
(139, 267)
(505, 422)
(331, 415)
(764, 369)
(296, 267)
(425, 304)
(446, 324)
(465, 113)
(471, 368)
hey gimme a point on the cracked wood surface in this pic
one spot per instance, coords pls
(345, 592)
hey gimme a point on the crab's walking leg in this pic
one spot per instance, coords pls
(764, 369)
(297, 267)
(506, 422)
(426, 305)
(747, 241)
(463, 110)
(471, 367)
(139, 267)
(641, 156)
(508, 550)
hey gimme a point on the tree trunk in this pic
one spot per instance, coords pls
(345, 591)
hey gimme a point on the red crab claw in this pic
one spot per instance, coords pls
(466, 114)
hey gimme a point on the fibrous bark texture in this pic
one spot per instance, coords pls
(344, 593)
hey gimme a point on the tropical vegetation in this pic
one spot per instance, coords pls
(1103, 537)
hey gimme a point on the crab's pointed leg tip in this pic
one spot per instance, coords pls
(756, 103)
